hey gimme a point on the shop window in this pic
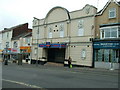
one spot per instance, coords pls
(118, 55)
(96, 55)
(107, 55)
(115, 56)
(100, 55)
(112, 13)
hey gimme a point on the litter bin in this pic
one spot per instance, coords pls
(19, 59)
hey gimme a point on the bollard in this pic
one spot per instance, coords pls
(6, 62)
(19, 59)
(111, 66)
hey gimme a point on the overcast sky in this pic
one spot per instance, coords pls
(15, 12)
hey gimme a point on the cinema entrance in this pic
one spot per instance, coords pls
(54, 52)
(56, 55)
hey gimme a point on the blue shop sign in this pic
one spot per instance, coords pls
(106, 45)
(54, 45)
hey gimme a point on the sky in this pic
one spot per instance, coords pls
(15, 12)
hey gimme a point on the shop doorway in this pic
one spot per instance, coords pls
(56, 55)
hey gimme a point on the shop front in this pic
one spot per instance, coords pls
(10, 53)
(25, 50)
(106, 54)
(1, 54)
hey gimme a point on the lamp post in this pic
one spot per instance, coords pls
(6, 57)
(29, 53)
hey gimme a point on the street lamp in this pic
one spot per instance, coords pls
(6, 57)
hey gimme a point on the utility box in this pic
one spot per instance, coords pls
(19, 59)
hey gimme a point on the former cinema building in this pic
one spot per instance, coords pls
(62, 34)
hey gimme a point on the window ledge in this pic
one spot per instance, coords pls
(112, 17)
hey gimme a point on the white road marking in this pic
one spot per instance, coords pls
(21, 83)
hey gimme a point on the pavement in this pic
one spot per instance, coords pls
(58, 66)
(66, 68)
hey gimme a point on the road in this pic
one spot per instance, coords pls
(30, 76)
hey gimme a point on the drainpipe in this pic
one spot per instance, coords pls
(68, 22)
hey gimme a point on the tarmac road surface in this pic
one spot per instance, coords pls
(30, 76)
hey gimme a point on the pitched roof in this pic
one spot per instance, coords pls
(18, 36)
(101, 11)
(17, 26)
(9, 29)
(27, 34)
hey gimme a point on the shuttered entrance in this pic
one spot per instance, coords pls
(56, 55)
